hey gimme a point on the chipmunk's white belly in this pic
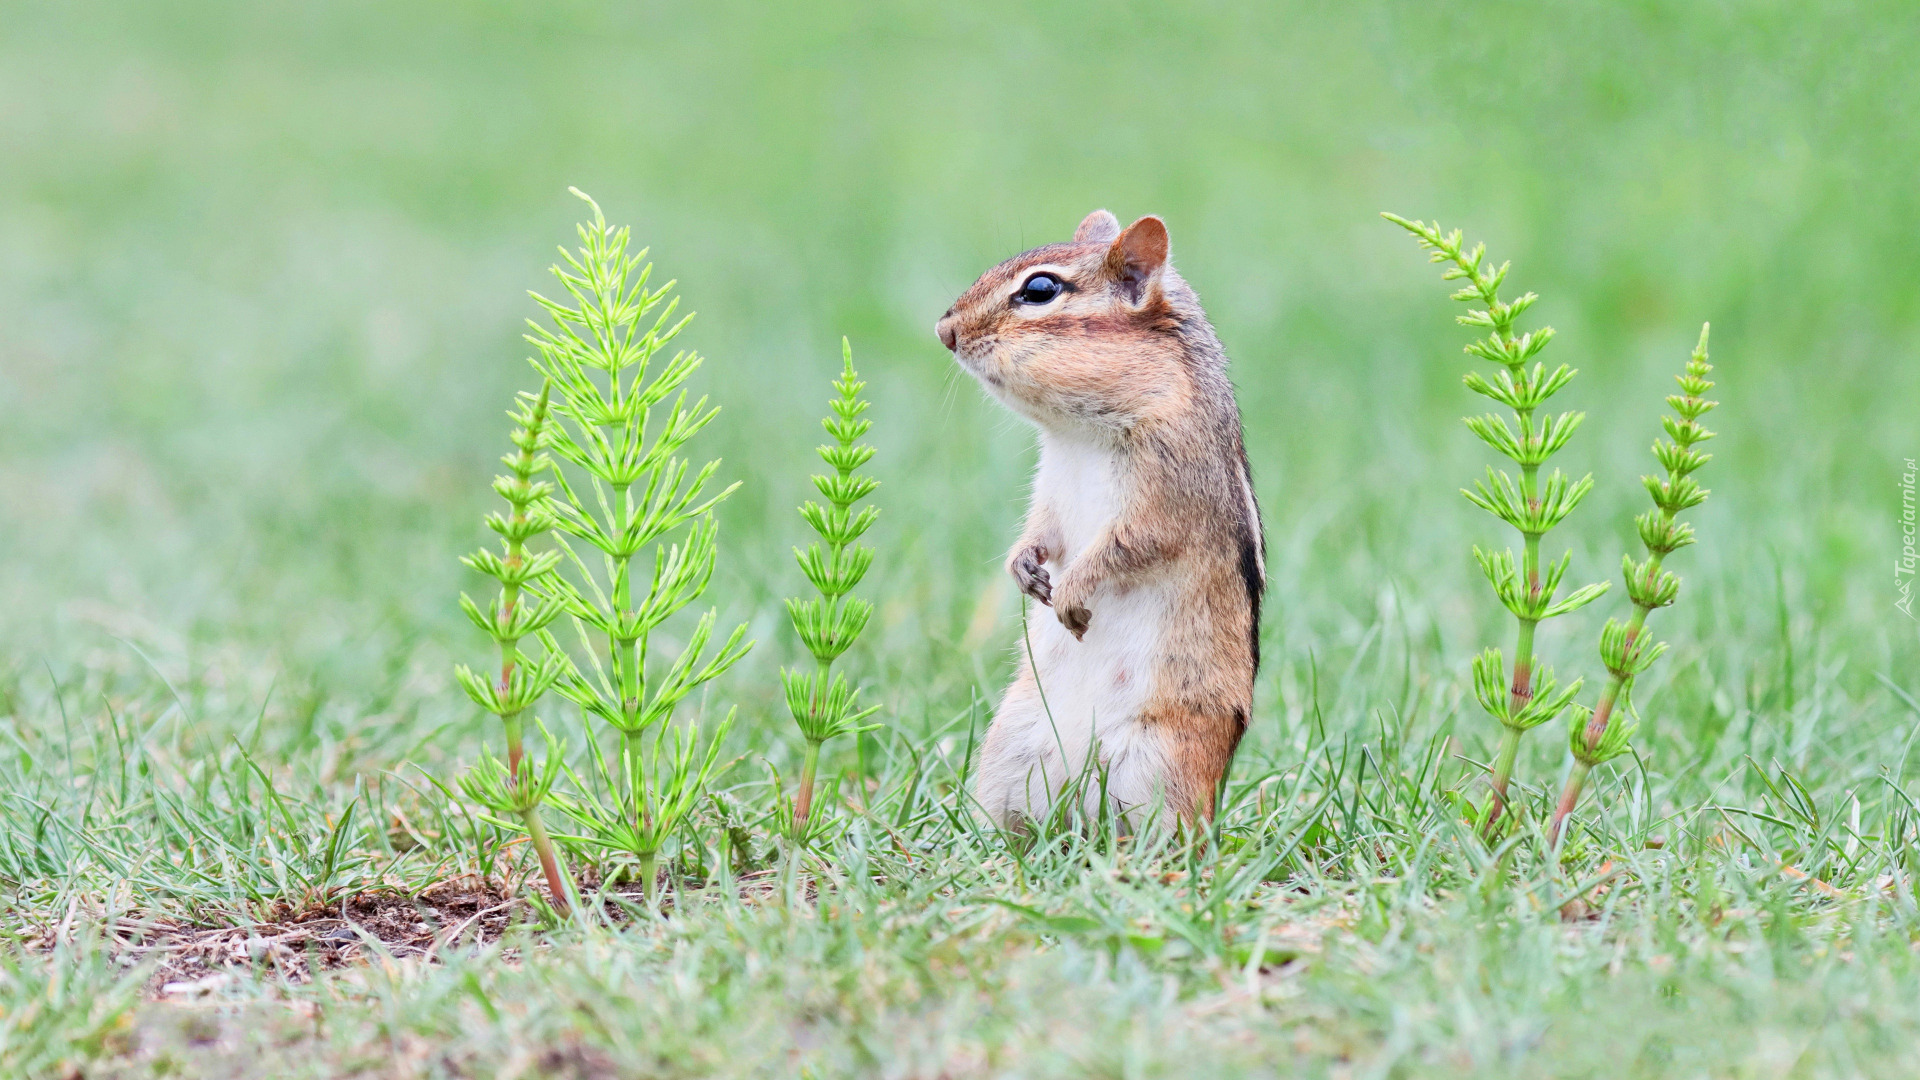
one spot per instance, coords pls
(1096, 686)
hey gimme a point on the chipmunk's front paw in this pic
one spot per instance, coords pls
(1030, 575)
(1075, 619)
(1070, 604)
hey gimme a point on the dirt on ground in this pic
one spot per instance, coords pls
(296, 944)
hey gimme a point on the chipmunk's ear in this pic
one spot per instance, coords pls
(1098, 227)
(1137, 257)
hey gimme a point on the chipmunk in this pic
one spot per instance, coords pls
(1143, 533)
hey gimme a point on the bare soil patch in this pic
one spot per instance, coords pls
(299, 943)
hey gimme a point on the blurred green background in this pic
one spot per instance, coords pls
(263, 272)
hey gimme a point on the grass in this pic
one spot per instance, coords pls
(262, 274)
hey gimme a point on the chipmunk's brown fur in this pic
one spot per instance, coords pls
(1143, 534)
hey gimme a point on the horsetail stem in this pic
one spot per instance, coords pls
(513, 790)
(1532, 507)
(823, 704)
(1599, 736)
(623, 493)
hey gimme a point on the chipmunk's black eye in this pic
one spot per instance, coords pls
(1039, 289)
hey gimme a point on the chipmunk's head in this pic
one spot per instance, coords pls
(1085, 330)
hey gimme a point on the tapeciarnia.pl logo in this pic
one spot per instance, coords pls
(1903, 567)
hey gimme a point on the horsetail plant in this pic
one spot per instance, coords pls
(628, 494)
(1596, 736)
(822, 702)
(1533, 506)
(514, 790)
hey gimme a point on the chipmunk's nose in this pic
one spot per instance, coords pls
(949, 336)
